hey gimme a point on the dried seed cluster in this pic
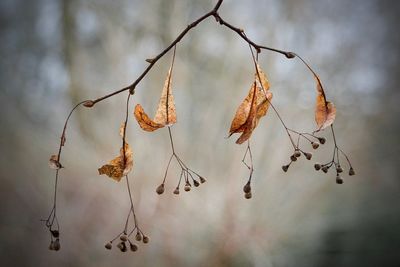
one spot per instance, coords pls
(55, 240)
(126, 242)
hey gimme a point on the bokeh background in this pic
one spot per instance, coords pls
(54, 53)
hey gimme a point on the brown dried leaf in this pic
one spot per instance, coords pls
(166, 113)
(54, 163)
(325, 111)
(250, 123)
(144, 121)
(117, 167)
(253, 107)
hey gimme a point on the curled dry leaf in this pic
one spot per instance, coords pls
(144, 121)
(54, 163)
(119, 166)
(253, 107)
(325, 111)
(166, 112)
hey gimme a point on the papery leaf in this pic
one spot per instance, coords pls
(166, 113)
(54, 162)
(252, 108)
(250, 123)
(325, 111)
(119, 166)
(144, 121)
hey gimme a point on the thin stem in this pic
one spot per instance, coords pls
(170, 139)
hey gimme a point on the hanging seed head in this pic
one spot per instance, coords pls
(196, 183)
(122, 246)
(138, 237)
(160, 189)
(351, 171)
(322, 140)
(285, 168)
(55, 233)
(293, 158)
(56, 244)
(176, 191)
(123, 238)
(145, 239)
(339, 169)
(339, 179)
(133, 247)
(108, 245)
(297, 153)
(315, 145)
(202, 180)
(317, 166)
(187, 187)
(308, 155)
(248, 195)
(325, 169)
(247, 188)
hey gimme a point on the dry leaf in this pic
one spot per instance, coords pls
(144, 121)
(166, 112)
(325, 111)
(54, 163)
(117, 168)
(253, 107)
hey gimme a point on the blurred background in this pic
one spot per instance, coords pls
(55, 53)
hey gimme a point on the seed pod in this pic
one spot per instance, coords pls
(351, 171)
(297, 153)
(123, 238)
(325, 169)
(138, 237)
(285, 168)
(247, 188)
(55, 233)
(187, 187)
(145, 239)
(122, 246)
(315, 145)
(56, 244)
(133, 247)
(322, 140)
(317, 166)
(339, 169)
(160, 189)
(339, 180)
(176, 191)
(196, 183)
(108, 245)
(202, 180)
(248, 195)
(51, 246)
(308, 155)
(293, 158)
